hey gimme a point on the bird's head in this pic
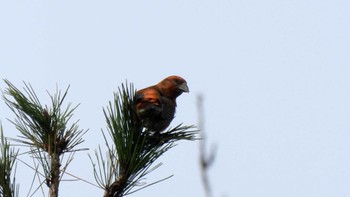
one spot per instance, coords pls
(173, 86)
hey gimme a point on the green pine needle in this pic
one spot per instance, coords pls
(43, 127)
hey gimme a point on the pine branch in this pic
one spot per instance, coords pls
(134, 148)
(8, 156)
(44, 129)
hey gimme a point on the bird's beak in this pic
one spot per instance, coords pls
(183, 87)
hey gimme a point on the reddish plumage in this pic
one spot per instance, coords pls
(155, 105)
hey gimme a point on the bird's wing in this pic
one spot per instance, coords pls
(148, 101)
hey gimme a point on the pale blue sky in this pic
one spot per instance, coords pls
(275, 75)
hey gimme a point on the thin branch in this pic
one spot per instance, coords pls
(205, 160)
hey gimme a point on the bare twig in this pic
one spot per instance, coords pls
(205, 160)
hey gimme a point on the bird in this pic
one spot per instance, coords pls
(156, 105)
